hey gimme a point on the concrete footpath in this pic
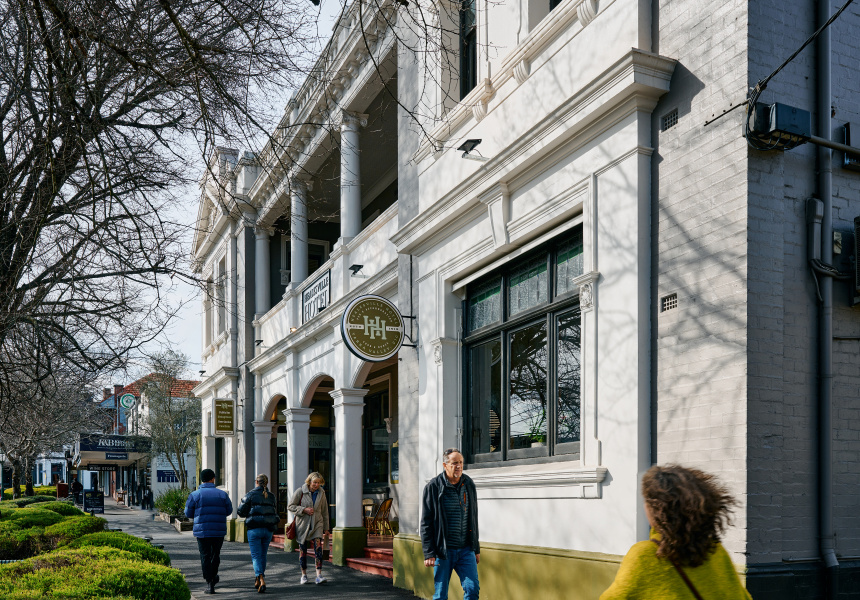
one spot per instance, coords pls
(236, 572)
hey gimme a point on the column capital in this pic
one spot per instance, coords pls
(298, 415)
(262, 233)
(348, 396)
(352, 120)
(301, 183)
(264, 426)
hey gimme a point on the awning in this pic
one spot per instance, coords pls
(103, 451)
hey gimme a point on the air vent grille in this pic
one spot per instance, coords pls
(669, 120)
(668, 302)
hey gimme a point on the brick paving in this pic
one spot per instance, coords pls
(236, 572)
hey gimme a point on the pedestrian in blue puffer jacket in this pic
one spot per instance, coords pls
(260, 512)
(209, 507)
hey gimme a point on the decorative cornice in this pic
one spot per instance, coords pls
(577, 482)
(634, 82)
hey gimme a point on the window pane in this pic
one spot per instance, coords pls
(485, 389)
(376, 456)
(528, 285)
(567, 415)
(485, 304)
(528, 403)
(568, 264)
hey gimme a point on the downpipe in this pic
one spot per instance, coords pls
(827, 545)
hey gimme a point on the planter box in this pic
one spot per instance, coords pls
(183, 525)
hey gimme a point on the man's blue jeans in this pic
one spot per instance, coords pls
(259, 540)
(462, 561)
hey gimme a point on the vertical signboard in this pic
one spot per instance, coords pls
(225, 417)
(316, 296)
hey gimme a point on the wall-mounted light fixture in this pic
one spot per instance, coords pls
(356, 269)
(258, 342)
(469, 146)
(202, 372)
(293, 329)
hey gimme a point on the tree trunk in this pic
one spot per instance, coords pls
(28, 480)
(16, 479)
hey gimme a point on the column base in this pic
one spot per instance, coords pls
(347, 542)
(236, 530)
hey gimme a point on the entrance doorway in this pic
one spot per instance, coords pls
(321, 454)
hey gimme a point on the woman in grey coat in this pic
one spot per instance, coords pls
(310, 506)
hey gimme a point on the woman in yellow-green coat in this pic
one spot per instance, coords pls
(688, 511)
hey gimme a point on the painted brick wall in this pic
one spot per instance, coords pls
(699, 239)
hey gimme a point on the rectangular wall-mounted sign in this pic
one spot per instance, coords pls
(316, 296)
(167, 476)
(319, 442)
(225, 417)
(101, 467)
(116, 455)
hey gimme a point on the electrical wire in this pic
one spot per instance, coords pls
(756, 91)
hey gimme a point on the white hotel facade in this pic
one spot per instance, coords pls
(590, 294)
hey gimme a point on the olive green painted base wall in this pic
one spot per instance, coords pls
(347, 542)
(507, 572)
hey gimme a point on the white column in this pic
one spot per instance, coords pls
(348, 408)
(350, 179)
(262, 272)
(298, 423)
(299, 230)
(263, 449)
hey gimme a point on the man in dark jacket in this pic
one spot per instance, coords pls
(449, 528)
(209, 507)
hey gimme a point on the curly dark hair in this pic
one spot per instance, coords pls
(689, 509)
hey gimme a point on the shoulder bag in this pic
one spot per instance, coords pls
(291, 528)
(684, 577)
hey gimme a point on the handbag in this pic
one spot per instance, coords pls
(291, 528)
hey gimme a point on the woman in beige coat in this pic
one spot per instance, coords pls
(310, 506)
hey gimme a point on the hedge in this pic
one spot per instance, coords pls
(74, 527)
(27, 501)
(172, 501)
(91, 572)
(41, 490)
(62, 508)
(122, 541)
(33, 517)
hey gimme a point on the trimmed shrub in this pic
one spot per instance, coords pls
(123, 541)
(91, 572)
(62, 508)
(33, 517)
(172, 501)
(27, 501)
(72, 528)
(41, 490)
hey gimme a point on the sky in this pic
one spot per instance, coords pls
(184, 333)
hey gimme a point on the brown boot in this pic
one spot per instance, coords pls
(257, 582)
(262, 588)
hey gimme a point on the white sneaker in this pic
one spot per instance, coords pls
(320, 580)
(303, 580)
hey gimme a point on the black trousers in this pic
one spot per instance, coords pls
(210, 556)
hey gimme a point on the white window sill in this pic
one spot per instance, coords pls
(554, 480)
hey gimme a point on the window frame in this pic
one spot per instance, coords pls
(468, 47)
(550, 313)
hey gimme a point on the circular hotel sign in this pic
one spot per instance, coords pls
(126, 400)
(372, 328)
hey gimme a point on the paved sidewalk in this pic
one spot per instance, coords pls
(236, 572)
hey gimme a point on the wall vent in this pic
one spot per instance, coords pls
(669, 120)
(668, 302)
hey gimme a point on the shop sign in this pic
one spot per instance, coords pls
(167, 476)
(127, 400)
(116, 455)
(92, 467)
(94, 502)
(225, 417)
(372, 328)
(316, 296)
(111, 443)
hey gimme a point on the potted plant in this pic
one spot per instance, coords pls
(171, 504)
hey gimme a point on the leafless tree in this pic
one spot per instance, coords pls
(96, 98)
(171, 416)
(47, 416)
